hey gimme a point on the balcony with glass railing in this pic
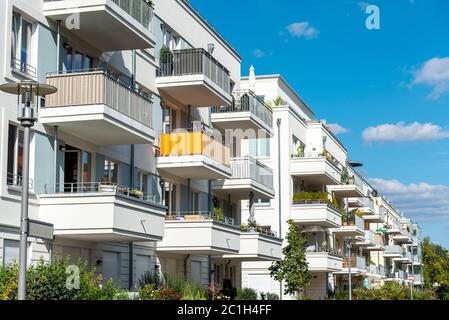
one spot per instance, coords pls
(95, 106)
(371, 242)
(357, 263)
(404, 237)
(376, 271)
(200, 232)
(248, 175)
(316, 168)
(378, 216)
(102, 211)
(323, 259)
(351, 186)
(352, 225)
(109, 25)
(394, 252)
(247, 112)
(193, 77)
(193, 154)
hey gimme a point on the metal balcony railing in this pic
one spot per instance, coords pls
(23, 67)
(199, 216)
(247, 101)
(250, 168)
(15, 180)
(77, 188)
(394, 250)
(193, 62)
(140, 10)
(93, 87)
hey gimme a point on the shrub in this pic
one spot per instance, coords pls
(303, 195)
(47, 281)
(150, 292)
(246, 294)
(149, 277)
(272, 296)
(392, 291)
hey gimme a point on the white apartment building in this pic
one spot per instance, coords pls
(129, 159)
(154, 155)
(318, 187)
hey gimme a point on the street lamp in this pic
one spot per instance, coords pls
(28, 93)
(348, 242)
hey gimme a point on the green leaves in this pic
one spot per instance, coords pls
(293, 270)
(436, 267)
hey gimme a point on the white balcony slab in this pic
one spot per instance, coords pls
(206, 237)
(318, 169)
(258, 247)
(316, 214)
(324, 262)
(104, 24)
(102, 217)
(346, 190)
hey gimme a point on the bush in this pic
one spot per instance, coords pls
(149, 277)
(149, 292)
(303, 195)
(271, 296)
(246, 294)
(47, 281)
(392, 291)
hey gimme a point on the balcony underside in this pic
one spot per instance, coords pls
(394, 231)
(99, 124)
(197, 167)
(373, 218)
(194, 90)
(354, 271)
(239, 189)
(102, 217)
(257, 247)
(101, 23)
(355, 203)
(318, 215)
(324, 262)
(245, 121)
(349, 231)
(205, 237)
(346, 191)
(402, 239)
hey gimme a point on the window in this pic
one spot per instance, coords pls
(15, 155)
(259, 147)
(10, 251)
(110, 172)
(21, 33)
(142, 183)
(170, 40)
(76, 60)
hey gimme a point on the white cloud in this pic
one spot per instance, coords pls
(434, 73)
(259, 53)
(401, 132)
(337, 129)
(420, 201)
(302, 29)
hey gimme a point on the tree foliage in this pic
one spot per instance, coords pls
(293, 269)
(392, 291)
(436, 268)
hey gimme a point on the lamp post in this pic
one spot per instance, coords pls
(28, 92)
(349, 248)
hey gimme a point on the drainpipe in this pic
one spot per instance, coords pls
(185, 266)
(55, 147)
(189, 197)
(278, 122)
(209, 271)
(130, 279)
(58, 47)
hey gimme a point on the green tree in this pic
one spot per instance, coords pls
(293, 269)
(436, 268)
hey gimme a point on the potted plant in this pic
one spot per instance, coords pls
(166, 61)
(218, 215)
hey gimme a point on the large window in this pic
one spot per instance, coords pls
(15, 155)
(76, 60)
(259, 147)
(21, 33)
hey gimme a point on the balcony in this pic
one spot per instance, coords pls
(353, 227)
(405, 259)
(376, 271)
(371, 242)
(378, 216)
(109, 25)
(394, 252)
(248, 175)
(198, 233)
(358, 265)
(102, 212)
(316, 169)
(256, 246)
(324, 261)
(98, 108)
(364, 203)
(352, 187)
(403, 237)
(394, 229)
(315, 212)
(247, 112)
(193, 77)
(193, 155)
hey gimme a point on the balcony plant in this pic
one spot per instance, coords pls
(305, 196)
(218, 215)
(344, 175)
(166, 60)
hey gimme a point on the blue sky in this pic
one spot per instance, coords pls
(388, 88)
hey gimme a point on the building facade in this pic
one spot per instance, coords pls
(155, 155)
